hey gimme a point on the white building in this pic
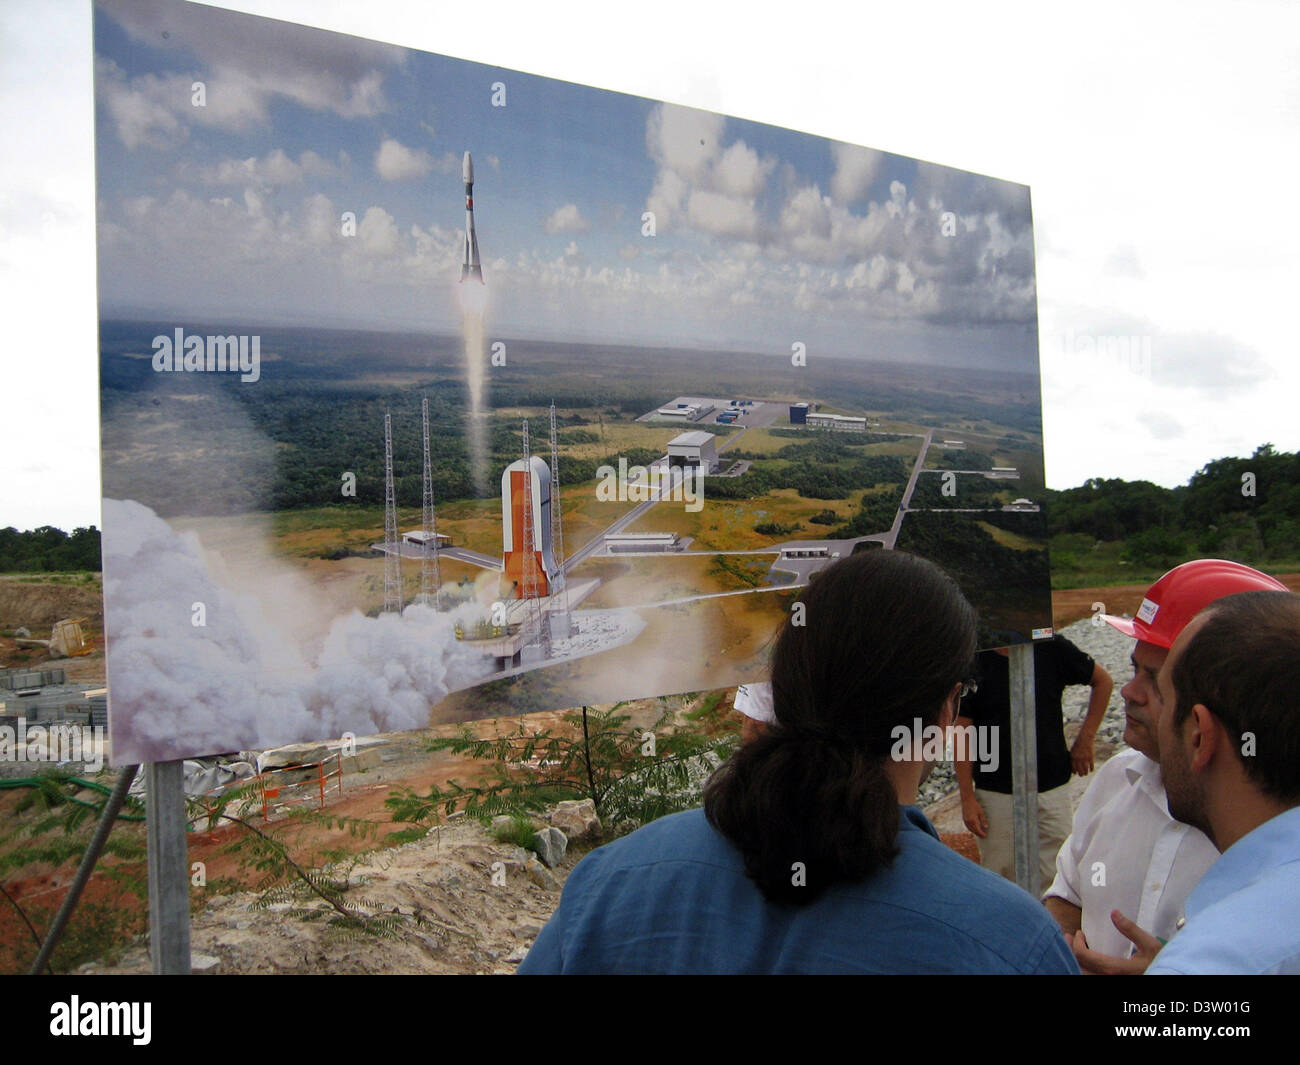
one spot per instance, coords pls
(419, 537)
(837, 421)
(697, 449)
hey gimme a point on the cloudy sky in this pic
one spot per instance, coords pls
(230, 212)
(1160, 143)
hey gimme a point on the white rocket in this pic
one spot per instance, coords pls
(469, 266)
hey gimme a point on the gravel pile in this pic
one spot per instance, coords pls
(1108, 646)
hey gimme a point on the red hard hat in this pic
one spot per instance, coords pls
(1184, 592)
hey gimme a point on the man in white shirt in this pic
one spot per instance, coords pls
(1125, 853)
(755, 702)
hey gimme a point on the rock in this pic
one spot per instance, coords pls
(501, 824)
(518, 954)
(370, 758)
(205, 965)
(293, 754)
(23, 632)
(550, 845)
(527, 927)
(577, 819)
(538, 874)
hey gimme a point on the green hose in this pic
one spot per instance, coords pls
(37, 782)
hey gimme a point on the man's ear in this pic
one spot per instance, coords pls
(951, 707)
(1205, 736)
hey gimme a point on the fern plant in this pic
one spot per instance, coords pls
(311, 892)
(633, 776)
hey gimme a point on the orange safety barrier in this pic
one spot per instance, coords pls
(270, 790)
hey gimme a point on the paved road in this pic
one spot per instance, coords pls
(598, 541)
(720, 595)
(460, 554)
(891, 538)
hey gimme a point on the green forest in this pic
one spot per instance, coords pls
(1110, 531)
(49, 550)
(1105, 531)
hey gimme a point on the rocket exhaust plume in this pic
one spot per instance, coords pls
(472, 304)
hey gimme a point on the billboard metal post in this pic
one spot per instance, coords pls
(1024, 767)
(169, 879)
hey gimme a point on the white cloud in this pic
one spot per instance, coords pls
(396, 162)
(566, 219)
(740, 172)
(700, 183)
(378, 233)
(244, 72)
(855, 170)
(275, 168)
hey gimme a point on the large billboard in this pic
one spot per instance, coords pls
(434, 391)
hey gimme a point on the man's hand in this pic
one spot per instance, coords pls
(1090, 961)
(972, 813)
(1081, 753)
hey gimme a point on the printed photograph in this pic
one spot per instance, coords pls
(432, 391)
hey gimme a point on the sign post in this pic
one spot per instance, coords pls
(169, 882)
(1024, 767)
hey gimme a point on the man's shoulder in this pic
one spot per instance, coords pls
(976, 883)
(1254, 930)
(991, 911)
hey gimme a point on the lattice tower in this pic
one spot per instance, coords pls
(392, 547)
(430, 577)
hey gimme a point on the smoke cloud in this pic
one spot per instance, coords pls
(198, 666)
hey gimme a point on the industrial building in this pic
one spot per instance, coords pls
(419, 538)
(698, 449)
(799, 413)
(842, 422)
(686, 411)
(515, 541)
(641, 543)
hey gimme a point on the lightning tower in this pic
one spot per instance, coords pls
(557, 536)
(392, 548)
(430, 578)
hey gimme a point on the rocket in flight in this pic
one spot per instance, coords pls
(470, 266)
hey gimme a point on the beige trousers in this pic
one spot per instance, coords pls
(1054, 818)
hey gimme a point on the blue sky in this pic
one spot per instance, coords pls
(230, 211)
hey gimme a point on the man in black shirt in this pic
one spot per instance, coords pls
(986, 787)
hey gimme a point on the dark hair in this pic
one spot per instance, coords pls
(1243, 664)
(881, 639)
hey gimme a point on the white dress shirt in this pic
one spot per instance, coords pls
(755, 701)
(1126, 853)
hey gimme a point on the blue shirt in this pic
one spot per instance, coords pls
(673, 897)
(1244, 915)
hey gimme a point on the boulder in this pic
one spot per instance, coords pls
(205, 965)
(549, 844)
(541, 876)
(577, 819)
(370, 758)
(293, 754)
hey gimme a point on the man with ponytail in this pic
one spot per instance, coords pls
(810, 854)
